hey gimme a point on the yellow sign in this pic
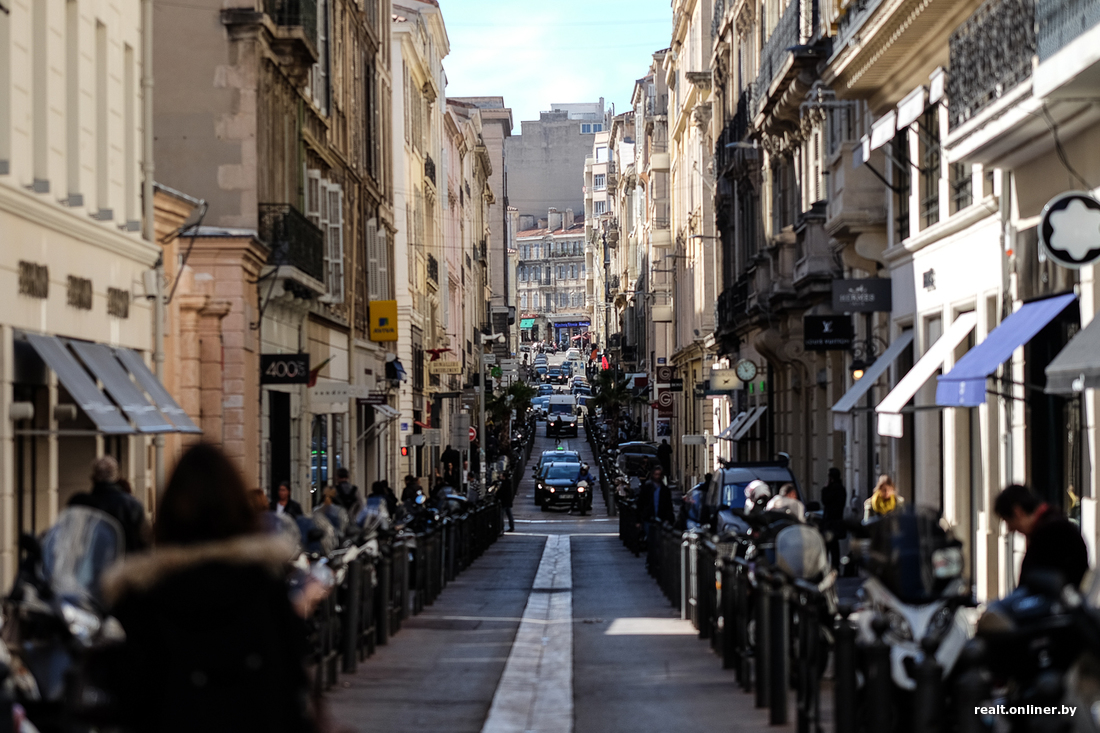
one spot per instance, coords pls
(383, 320)
(444, 367)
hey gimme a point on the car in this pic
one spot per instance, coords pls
(582, 389)
(545, 390)
(524, 348)
(555, 375)
(562, 417)
(637, 458)
(539, 405)
(557, 484)
(572, 354)
(541, 370)
(726, 491)
(549, 456)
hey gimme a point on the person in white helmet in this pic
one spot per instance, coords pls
(757, 494)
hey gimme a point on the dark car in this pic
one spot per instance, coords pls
(550, 456)
(555, 375)
(637, 458)
(557, 484)
(727, 489)
(545, 390)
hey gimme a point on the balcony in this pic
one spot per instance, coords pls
(735, 131)
(429, 168)
(775, 54)
(294, 13)
(295, 39)
(991, 54)
(293, 240)
(732, 307)
(1060, 22)
(656, 105)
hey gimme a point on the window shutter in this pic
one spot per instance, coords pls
(336, 242)
(372, 259)
(313, 197)
(383, 248)
(322, 222)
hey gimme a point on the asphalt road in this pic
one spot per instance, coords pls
(557, 628)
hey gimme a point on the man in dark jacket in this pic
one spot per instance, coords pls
(664, 455)
(107, 497)
(347, 493)
(833, 498)
(284, 504)
(655, 499)
(1053, 542)
(452, 466)
(411, 490)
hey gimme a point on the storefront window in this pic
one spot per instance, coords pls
(319, 464)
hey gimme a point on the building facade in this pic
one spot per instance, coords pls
(550, 279)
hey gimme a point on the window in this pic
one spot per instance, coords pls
(549, 302)
(962, 186)
(319, 86)
(600, 182)
(587, 128)
(601, 207)
(378, 261)
(601, 154)
(538, 273)
(572, 272)
(325, 208)
(930, 168)
(561, 272)
(903, 184)
(522, 272)
(523, 301)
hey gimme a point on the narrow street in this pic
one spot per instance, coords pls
(556, 628)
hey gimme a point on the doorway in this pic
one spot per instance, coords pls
(279, 431)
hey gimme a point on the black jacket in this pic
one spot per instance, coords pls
(212, 641)
(1055, 543)
(126, 509)
(665, 512)
(347, 495)
(293, 508)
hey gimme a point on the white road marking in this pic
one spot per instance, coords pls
(535, 692)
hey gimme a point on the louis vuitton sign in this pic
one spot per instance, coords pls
(862, 296)
(827, 333)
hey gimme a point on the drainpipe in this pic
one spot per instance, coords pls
(148, 225)
(1005, 202)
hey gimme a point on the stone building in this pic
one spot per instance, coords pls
(277, 119)
(550, 278)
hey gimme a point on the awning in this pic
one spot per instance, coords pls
(964, 385)
(871, 374)
(101, 362)
(727, 434)
(754, 415)
(152, 386)
(1077, 367)
(889, 410)
(72, 376)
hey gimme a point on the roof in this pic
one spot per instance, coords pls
(578, 226)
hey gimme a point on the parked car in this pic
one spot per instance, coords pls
(637, 458)
(727, 488)
(557, 484)
(545, 390)
(539, 405)
(562, 416)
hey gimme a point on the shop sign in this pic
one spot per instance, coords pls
(1069, 229)
(676, 384)
(526, 322)
(725, 380)
(664, 374)
(284, 368)
(862, 296)
(383, 320)
(442, 366)
(827, 333)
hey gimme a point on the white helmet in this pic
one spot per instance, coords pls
(758, 492)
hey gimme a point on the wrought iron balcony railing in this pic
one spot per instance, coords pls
(293, 239)
(991, 54)
(291, 13)
(433, 269)
(429, 168)
(773, 55)
(735, 130)
(1059, 22)
(733, 304)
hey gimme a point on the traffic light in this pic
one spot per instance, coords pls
(404, 451)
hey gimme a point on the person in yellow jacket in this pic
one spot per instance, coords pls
(884, 500)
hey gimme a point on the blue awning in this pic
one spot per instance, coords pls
(964, 386)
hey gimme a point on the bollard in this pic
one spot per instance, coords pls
(809, 661)
(929, 693)
(685, 574)
(350, 625)
(844, 670)
(727, 616)
(971, 689)
(778, 647)
(742, 609)
(878, 681)
(761, 677)
(383, 596)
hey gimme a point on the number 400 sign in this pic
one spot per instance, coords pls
(284, 368)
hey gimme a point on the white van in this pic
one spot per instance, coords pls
(562, 417)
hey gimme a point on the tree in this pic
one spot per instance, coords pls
(611, 394)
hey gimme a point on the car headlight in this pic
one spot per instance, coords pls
(580, 489)
(551, 489)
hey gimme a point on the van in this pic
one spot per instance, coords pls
(562, 417)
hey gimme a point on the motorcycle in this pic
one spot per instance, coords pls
(55, 620)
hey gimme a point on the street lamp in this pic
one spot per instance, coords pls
(483, 338)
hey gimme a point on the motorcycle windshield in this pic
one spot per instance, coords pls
(902, 547)
(77, 549)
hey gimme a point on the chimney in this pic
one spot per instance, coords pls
(542, 223)
(526, 221)
(554, 219)
(569, 220)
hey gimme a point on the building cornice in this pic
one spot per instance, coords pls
(973, 214)
(33, 208)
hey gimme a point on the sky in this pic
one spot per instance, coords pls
(537, 52)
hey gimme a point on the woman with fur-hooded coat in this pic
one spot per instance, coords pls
(212, 640)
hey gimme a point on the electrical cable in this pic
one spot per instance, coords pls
(1061, 152)
(194, 228)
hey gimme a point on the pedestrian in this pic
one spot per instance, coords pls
(506, 494)
(382, 489)
(883, 500)
(655, 501)
(283, 504)
(833, 498)
(108, 497)
(411, 490)
(212, 641)
(1054, 543)
(347, 494)
(452, 463)
(664, 455)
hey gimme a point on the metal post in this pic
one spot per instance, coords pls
(971, 690)
(352, 611)
(760, 649)
(778, 662)
(878, 692)
(148, 228)
(483, 394)
(929, 692)
(844, 663)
